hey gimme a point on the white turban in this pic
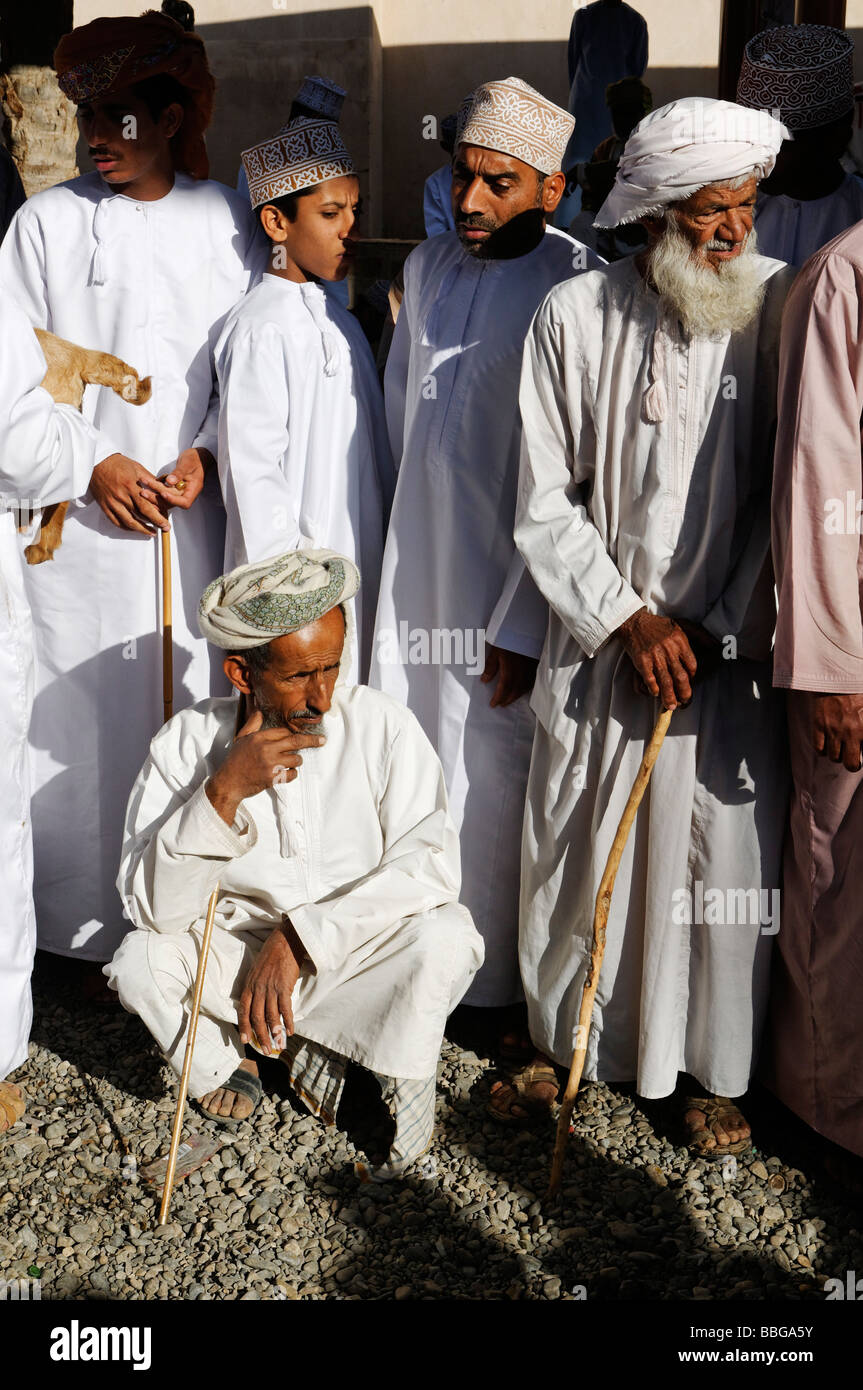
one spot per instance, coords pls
(684, 146)
(268, 599)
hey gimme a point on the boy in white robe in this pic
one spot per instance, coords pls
(304, 458)
(47, 453)
(451, 390)
(142, 258)
(338, 934)
(648, 408)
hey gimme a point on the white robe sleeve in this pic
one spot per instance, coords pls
(420, 868)
(22, 259)
(208, 435)
(255, 259)
(520, 618)
(47, 451)
(396, 376)
(254, 432)
(561, 547)
(175, 849)
(22, 280)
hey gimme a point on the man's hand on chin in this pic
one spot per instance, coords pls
(266, 998)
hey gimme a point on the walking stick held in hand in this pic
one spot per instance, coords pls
(167, 630)
(187, 1060)
(168, 621)
(600, 922)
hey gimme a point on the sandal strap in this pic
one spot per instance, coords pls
(538, 1072)
(244, 1083)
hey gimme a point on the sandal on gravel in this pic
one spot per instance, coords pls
(12, 1105)
(520, 1085)
(242, 1083)
(716, 1110)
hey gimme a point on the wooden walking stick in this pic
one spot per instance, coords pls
(600, 921)
(187, 1060)
(168, 620)
(193, 1028)
(167, 629)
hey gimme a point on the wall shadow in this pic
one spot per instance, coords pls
(259, 63)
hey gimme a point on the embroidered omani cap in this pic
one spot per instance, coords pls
(515, 119)
(304, 153)
(805, 72)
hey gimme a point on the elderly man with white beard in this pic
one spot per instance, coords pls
(648, 409)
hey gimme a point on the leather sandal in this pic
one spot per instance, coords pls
(714, 1109)
(242, 1083)
(519, 1085)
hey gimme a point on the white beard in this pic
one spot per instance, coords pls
(708, 302)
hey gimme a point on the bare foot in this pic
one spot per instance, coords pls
(531, 1093)
(230, 1104)
(714, 1122)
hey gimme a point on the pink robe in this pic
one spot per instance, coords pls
(814, 1047)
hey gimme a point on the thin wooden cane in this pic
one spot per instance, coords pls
(187, 1060)
(600, 921)
(167, 629)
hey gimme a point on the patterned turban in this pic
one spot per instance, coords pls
(803, 71)
(270, 598)
(513, 118)
(684, 146)
(109, 54)
(304, 153)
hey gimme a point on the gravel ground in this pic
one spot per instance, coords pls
(277, 1213)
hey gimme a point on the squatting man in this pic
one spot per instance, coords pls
(320, 810)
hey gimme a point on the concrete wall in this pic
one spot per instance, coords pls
(402, 60)
(434, 53)
(260, 64)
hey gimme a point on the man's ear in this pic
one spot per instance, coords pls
(171, 119)
(237, 672)
(274, 222)
(552, 191)
(654, 226)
